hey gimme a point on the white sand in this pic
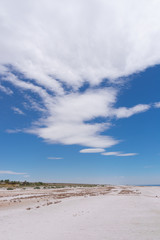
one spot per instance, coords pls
(105, 217)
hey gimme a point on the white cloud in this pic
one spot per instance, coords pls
(31, 104)
(56, 158)
(119, 154)
(60, 45)
(51, 40)
(6, 90)
(92, 150)
(127, 154)
(12, 173)
(157, 105)
(17, 111)
(67, 118)
(124, 112)
(13, 130)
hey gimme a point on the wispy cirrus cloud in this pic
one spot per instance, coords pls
(124, 112)
(6, 90)
(18, 111)
(53, 52)
(92, 150)
(11, 173)
(119, 154)
(55, 158)
(157, 105)
(14, 130)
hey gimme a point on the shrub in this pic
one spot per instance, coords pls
(9, 188)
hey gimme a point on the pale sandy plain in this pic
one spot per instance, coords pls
(97, 213)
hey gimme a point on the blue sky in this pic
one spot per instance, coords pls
(79, 98)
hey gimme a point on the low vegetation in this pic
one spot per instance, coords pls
(10, 185)
(9, 188)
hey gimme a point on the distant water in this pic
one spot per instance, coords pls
(149, 185)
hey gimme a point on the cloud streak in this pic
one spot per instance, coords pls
(6, 90)
(11, 173)
(157, 105)
(92, 150)
(17, 111)
(124, 112)
(119, 154)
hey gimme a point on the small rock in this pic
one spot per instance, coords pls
(57, 202)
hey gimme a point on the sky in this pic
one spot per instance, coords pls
(79, 91)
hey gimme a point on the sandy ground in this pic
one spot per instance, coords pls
(97, 213)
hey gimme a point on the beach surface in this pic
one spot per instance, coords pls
(76, 213)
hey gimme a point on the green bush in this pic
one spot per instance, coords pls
(9, 188)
